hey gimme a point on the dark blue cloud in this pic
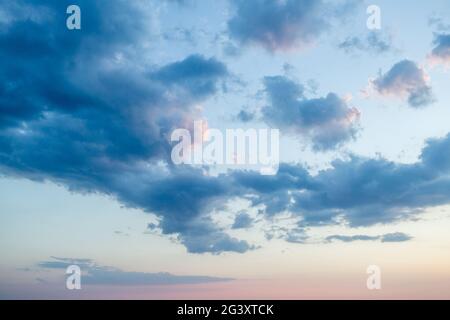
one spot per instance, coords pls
(195, 74)
(359, 191)
(366, 192)
(205, 237)
(436, 156)
(407, 79)
(441, 51)
(94, 274)
(84, 108)
(245, 116)
(183, 198)
(242, 221)
(328, 122)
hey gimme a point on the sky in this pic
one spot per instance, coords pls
(87, 178)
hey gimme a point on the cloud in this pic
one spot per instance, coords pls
(242, 221)
(94, 274)
(406, 79)
(85, 109)
(178, 1)
(281, 25)
(296, 235)
(195, 74)
(328, 122)
(356, 192)
(370, 191)
(438, 22)
(389, 237)
(184, 198)
(63, 263)
(441, 51)
(373, 42)
(352, 238)
(245, 116)
(395, 237)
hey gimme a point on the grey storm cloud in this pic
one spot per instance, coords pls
(441, 51)
(94, 274)
(328, 122)
(281, 25)
(388, 237)
(406, 78)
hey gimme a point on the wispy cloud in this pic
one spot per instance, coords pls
(389, 237)
(373, 42)
(94, 274)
